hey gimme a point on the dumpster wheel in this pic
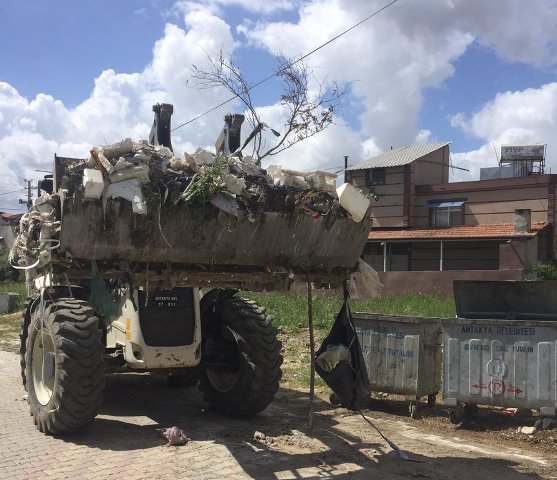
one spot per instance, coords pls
(456, 415)
(462, 412)
(334, 399)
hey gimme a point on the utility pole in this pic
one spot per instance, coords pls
(29, 201)
(345, 166)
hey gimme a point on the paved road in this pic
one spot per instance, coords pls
(123, 442)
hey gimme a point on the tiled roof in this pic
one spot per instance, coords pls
(399, 156)
(10, 217)
(499, 230)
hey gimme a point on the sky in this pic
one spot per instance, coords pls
(474, 72)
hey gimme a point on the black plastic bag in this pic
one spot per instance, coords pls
(349, 381)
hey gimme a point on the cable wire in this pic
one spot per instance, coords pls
(251, 87)
(13, 191)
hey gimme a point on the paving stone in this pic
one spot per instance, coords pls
(106, 450)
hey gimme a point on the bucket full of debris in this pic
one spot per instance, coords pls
(201, 219)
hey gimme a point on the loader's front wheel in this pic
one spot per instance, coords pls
(25, 321)
(64, 366)
(242, 371)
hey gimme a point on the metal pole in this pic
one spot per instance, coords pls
(345, 166)
(384, 256)
(312, 357)
(441, 257)
(29, 194)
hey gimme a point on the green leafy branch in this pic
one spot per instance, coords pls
(208, 182)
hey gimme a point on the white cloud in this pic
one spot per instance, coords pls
(262, 7)
(31, 131)
(389, 60)
(522, 117)
(141, 12)
(388, 67)
(408, 47)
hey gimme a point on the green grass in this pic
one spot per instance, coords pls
(289, 310)
(16, 287)
(10, 323)
(412, 304)
(9, 330)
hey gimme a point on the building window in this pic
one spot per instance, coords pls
(446, 216)
(387, 256)
(445, 213)
(376, 176)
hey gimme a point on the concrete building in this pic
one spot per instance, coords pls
(8, 223)
(428, 231)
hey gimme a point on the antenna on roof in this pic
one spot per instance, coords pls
(496, 156)
(459, 168)
(454, 166)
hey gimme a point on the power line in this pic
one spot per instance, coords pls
(287, 66)
(14, 191)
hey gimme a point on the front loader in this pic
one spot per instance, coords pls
(140, 277)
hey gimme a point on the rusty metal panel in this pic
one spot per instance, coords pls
(500, 362)
(402, 354)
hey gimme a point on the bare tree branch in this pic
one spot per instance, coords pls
(306, 113)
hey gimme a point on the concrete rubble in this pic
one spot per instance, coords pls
(151, 177)
(201, 177)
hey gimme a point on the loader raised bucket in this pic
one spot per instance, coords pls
(210, 246)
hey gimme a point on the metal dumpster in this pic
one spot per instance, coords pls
(508, 359)
(402, 355)
(517, 300)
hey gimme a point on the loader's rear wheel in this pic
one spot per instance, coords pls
(64, 366)
(247, 376)
(183, 378)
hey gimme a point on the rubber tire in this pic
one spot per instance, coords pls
(259, 360)
(455, 415)
(334, 399)
(25, 321)
(78, 366)
(470, 410)
(186, 378)
(413, 410)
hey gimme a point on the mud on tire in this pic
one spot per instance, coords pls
(25, 321)
(252, 381)
(63, 364)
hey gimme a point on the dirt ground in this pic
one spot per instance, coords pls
(490, 425)
(277, 444)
